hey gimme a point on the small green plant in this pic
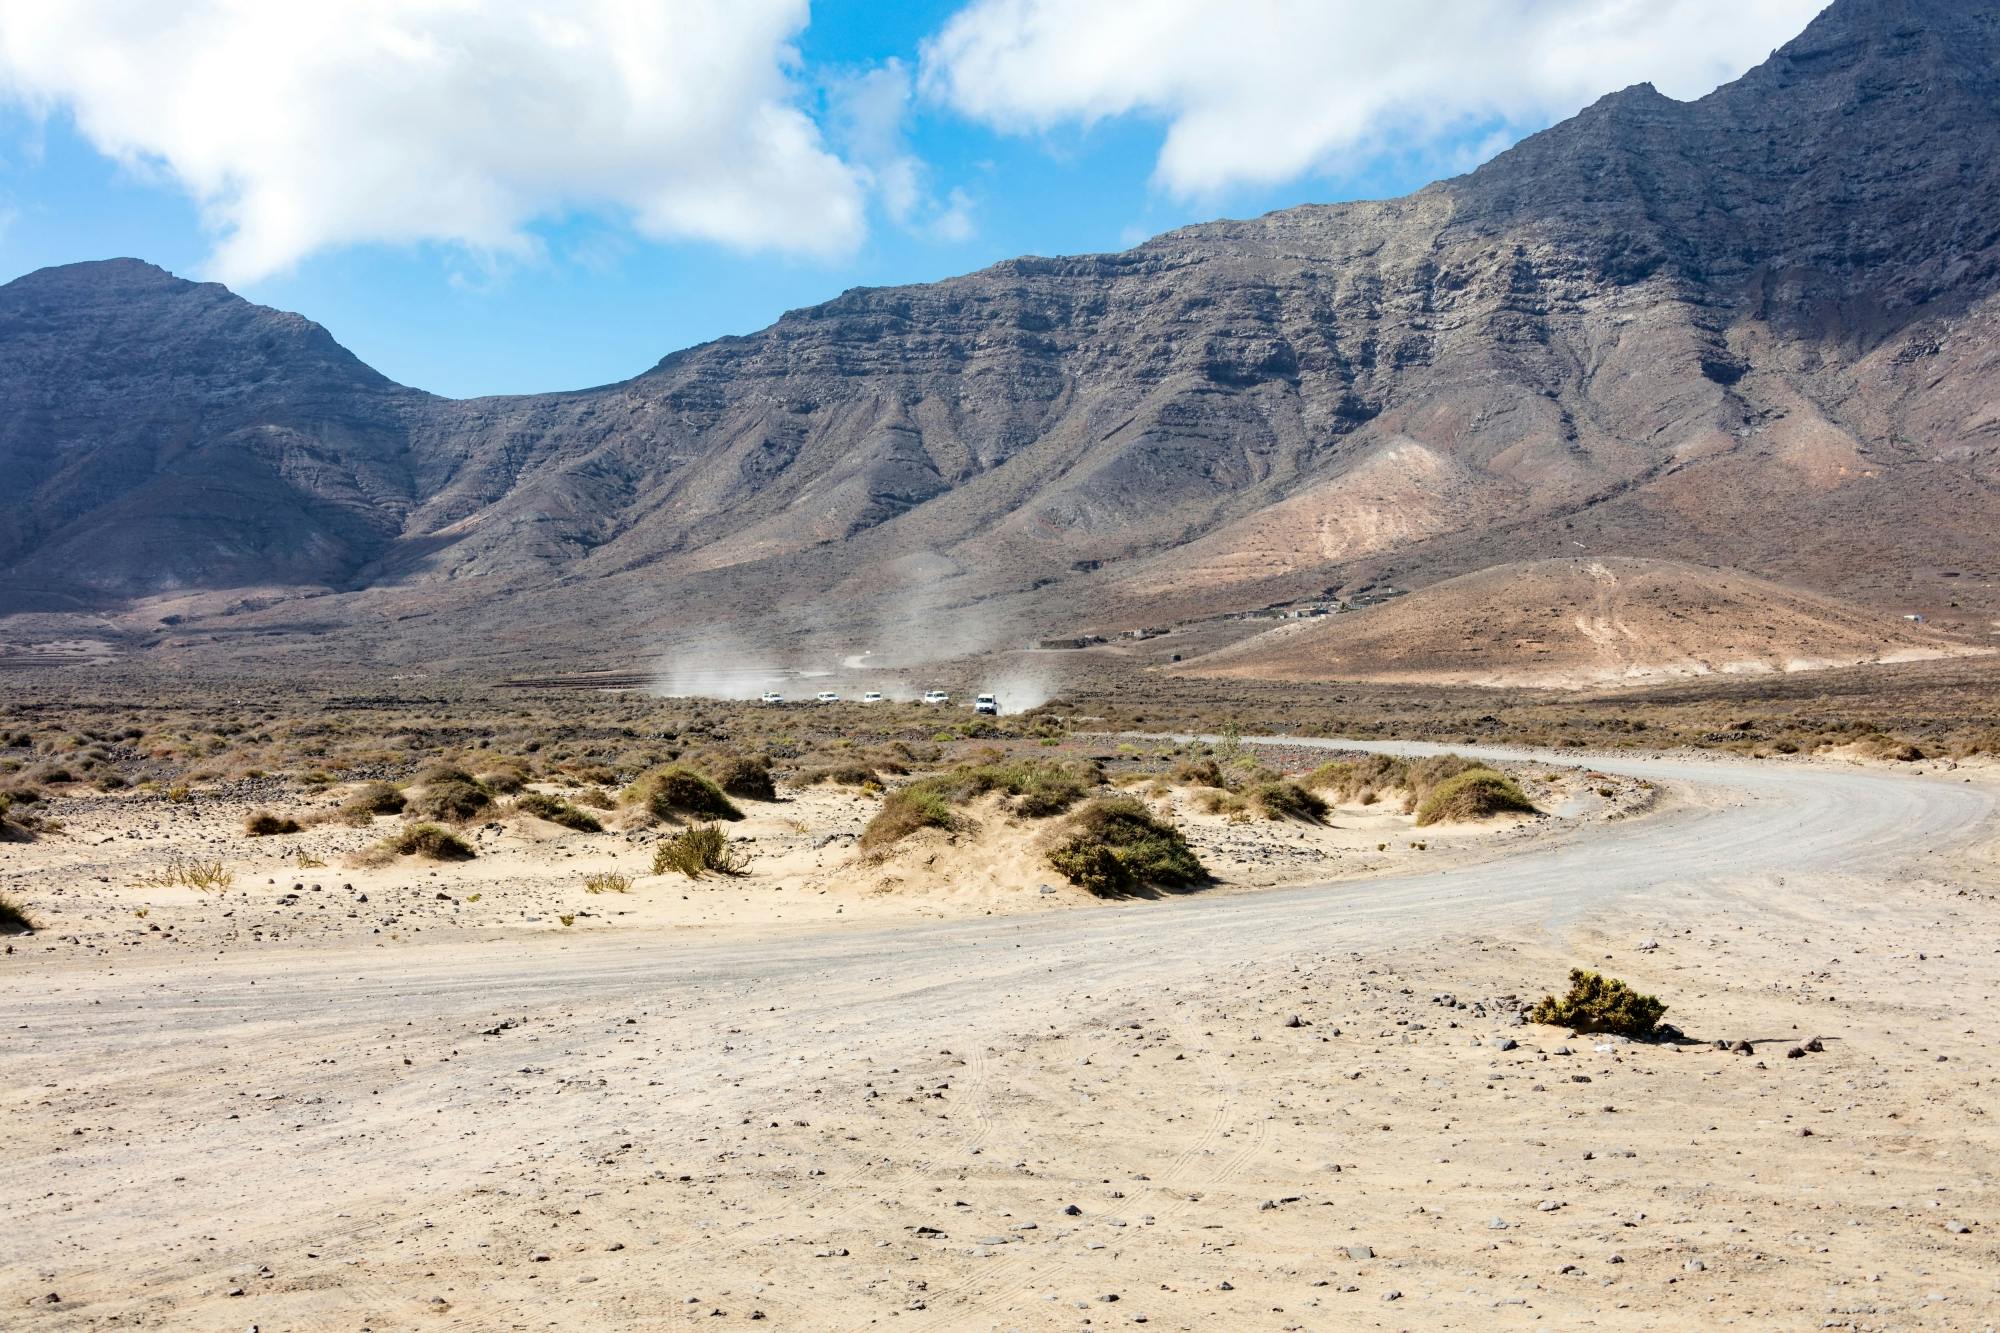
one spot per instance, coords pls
(1597, 1003)
(264, 824)
(697, 851)
(557, 811)
(567, 918)
(607, 881)
(474, 897)
(179, 793)
(307, 861)
(431, 842)
(1117, 846)
(14, 918)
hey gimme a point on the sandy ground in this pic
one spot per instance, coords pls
(95, 885)
(1067, 1119)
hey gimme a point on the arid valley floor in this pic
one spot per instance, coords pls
(912, 1089)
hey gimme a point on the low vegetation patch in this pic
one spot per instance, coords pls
(432, 842)
(557, 811)
(1288, 800)
(739, 776)
(456, 799)
(1116, 846)
(607, 881)
(376, 798)
(1036, 788)
(1597, 1003)
(675, 790)
(188, 872)
(13, 917)
(1477, 793)
(697, 851)
(264, 824)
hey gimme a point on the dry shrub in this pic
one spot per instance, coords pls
(740, 776)
(264, 824)
(697, 851)
(607, 881)
(453, 798)
(431, 842)
(1115, 846)
(1288, 800)
(674, 790)
(375, 798)
(903, 813)
(845, 773)
(1476, 793)
(557, 811)
(14, 918)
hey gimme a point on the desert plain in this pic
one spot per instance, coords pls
(937, 1085)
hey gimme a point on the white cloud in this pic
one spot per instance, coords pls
(300, 125)
(867, 118)
(1256, 92)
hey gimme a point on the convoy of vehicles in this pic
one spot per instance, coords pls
(986, 704)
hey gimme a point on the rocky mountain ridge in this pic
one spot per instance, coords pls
(1753, 330)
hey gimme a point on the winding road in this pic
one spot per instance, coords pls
(176, 1047)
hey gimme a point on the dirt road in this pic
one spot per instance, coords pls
(389, 1136)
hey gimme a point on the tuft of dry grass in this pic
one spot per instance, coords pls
(432, 842)
(697, 851)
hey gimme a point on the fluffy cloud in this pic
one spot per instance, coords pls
(1260, 91)
(307, 124)
(867, 118)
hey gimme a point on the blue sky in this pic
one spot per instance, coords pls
(1003, 127)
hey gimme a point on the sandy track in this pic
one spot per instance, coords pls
(232, 1112)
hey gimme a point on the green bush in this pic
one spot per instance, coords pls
(264, 824)
(557, 811)
(432, 843)
(697, 851)
(1116, 846)
(674, 790)
(1036, 788)
(1288, 800)
(455, 799)
(1598, 1003)
(1474, 793)
(607, 881)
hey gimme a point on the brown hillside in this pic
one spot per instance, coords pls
(1579, 623)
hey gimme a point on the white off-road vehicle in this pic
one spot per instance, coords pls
(986, 705)
(771, 697)
(827, 697)
(936, 697)
(872, 697)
